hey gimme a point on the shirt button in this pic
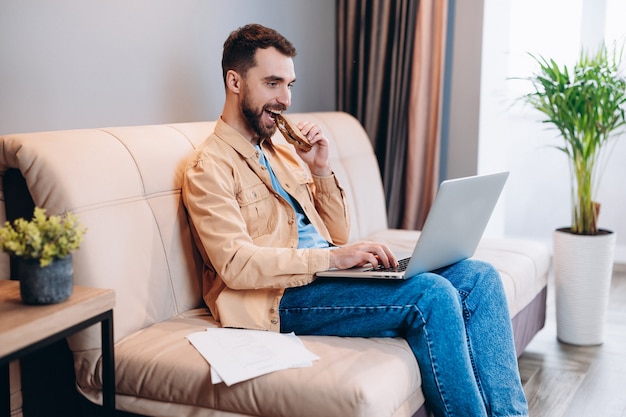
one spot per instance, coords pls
(273, 310)
(274, 320)
(291, 221)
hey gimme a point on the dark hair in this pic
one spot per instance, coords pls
(241, 45)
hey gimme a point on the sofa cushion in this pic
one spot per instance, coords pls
(353, 377)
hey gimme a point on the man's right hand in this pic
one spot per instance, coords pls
(359, 254)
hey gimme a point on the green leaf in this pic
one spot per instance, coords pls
(43, 237)
(585, 103)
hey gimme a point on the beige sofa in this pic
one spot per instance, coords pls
(124, 184)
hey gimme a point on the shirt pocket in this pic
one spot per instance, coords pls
(304, 182)
(258, 208)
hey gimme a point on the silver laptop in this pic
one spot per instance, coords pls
(454, 226)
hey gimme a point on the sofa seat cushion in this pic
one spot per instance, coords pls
(523, 264)
(353, 377)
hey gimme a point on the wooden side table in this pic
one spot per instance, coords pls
(25, 328)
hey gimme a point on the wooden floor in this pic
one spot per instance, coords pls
(561, 380)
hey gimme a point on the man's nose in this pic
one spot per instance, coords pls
(284, 97)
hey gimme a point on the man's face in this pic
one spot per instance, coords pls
(266, 88)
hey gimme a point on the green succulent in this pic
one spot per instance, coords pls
(44, 237)
(585, 103)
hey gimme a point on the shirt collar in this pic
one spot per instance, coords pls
(240, 144)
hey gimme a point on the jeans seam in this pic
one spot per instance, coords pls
(470, 350)
(463, 295)
(440, 388)
(398, 307)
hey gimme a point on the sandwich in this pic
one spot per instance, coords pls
(291, 132)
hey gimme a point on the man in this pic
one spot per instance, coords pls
(264, 226)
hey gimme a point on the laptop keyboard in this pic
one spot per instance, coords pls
(402, 264)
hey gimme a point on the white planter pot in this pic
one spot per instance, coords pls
(583, 266)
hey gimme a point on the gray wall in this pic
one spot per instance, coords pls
(74, 63)
(460, 144)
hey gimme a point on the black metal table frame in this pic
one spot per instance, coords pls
(108, 360)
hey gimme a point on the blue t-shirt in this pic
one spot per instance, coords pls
(308, 236)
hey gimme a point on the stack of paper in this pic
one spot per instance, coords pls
(236, 355)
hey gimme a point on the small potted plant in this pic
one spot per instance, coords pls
(42, 248)
(585, 103)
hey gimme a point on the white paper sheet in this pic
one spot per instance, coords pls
(236, 355)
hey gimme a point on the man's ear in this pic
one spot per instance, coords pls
(233, 81)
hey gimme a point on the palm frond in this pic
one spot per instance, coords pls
(585, 103)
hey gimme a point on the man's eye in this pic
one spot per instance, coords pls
(272, 84)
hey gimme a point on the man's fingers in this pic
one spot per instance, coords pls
(361, 254)
(382, 255)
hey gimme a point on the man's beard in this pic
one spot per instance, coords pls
(255, 118)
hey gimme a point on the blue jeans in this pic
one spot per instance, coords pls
(455, 320)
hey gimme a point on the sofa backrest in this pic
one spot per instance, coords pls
(124, 183)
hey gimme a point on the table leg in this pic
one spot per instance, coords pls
(5, 386)
(108, 365)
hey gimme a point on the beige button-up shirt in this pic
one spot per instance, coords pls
(247, 233)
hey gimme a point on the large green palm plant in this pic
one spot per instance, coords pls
(586, 105)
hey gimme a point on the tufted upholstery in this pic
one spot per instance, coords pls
(124, 184)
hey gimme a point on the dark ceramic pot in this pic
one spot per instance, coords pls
(48, 285)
